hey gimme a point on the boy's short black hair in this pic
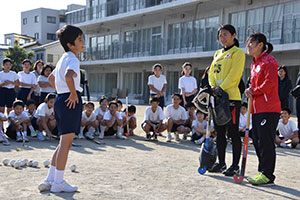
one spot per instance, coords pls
(113, 103)
(29, 102)
(102, 99)
(90, 104)
(176, 94)
(49, 97)
(244, 104)
(287, 110)
(68, 34)
(199, 111)
(5, 60)
(132, 109)
(190, 104)
(119, 102)
(18, 103)
(154, 99)
(44, 69)
(26, 60)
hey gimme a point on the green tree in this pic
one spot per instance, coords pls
(17, 54)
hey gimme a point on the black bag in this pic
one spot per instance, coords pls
(221, 111)
(296, 91)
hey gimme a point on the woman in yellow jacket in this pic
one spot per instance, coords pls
(226, 72)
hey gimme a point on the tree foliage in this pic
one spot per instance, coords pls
(17, 54)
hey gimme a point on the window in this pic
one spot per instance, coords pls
(8, 41)
(172, 77)
(36, 35)
(24, 21)
(133, 82)
(51, 19)
(156, 41)
(238, 20)
(50, 58)
(51, 36)
(36, 19)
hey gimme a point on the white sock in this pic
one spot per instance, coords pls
(81, 130)
(51, 174)
(102, 129)
(31, 128)
(119, 130)
(59, 176)
(25, 133)
(92, 129)
(18, 134)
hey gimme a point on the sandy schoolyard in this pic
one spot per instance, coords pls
(137, 169)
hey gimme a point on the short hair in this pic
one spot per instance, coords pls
(26, 60)
(119, 102)
(102, 99)
(113, 103)
(5, 60)
(36, 63)
(132, 109)
(154, 99)
(49, 97)
(287, 110)
(44, 69)
(29, 102)
(199, 111)
(90, 104)
(156, 65)
(68, 34)
(244, 104)
(176, 94)
(18, 103)
(190, 104)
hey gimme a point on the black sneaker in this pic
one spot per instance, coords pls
(232, 170)
(218, 167)
(148, 136)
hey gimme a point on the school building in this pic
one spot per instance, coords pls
(124, 38)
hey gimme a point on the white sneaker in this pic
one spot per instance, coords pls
(120, 136)
(19, 138)
(63, 187)
(80, 136)
(169, 137)
(45, 186)
(89, 136)
(200, 141)
(101, 136)
(177, 137)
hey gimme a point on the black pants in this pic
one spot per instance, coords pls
(298, 113)
(263, 132)
(232, 128)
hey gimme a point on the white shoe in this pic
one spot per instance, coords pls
(101, 136)
(177, 137)
(200, 141)
(169, 137)
(63, 187)
(45, 186)
(80, 136)
(120, 136)
(89, 136)
(19, 138)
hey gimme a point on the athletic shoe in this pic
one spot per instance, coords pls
(283, 145)
(148, 136)
(45, 186)
(169, 137)
(63, 187)
(120, 136)
(89, 136)
(80, 136)
(33, 133)
(19, 138)
(218, 168)
(184, 137)
(231, 171)
(40, 136)
(261, 179)
(26, 139)
(177, 137)
(251, 179)
(101, 136)
(1, 138)
(200, 141)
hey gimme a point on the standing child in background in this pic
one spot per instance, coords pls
(17, 122)
(131, 119)
(27, 82)
(89, 122)
(191, 116)
(287, 129)
(243, 120)
(65, 78)
(187, 84)
(37, 70)
(8, 80)
(199, 128)
(30, 112)
(100, 112)
(44, 116)
(176, 116)
(157, 83)
(154, 117)
(43, 82)
(2, 136)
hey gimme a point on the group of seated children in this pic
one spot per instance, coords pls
(106, 120)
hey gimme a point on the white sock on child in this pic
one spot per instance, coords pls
(119, 130)
(25, 133)
(92, 129)
(59, 176)
(31, 128)
(101, 136)
(18, 134)
(51, 174)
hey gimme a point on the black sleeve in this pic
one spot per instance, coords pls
(298, 79)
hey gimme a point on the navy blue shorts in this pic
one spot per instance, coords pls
(67, 120)
(23, 93)
(7, 97)
(175, 126)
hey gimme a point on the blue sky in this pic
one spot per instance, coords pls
(10, 14)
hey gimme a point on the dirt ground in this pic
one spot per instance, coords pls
(137, 169)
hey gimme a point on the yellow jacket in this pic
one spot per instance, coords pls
(226, 71)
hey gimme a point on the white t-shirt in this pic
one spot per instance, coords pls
(28, 114)
(42, 78)
(196, 122)
(286, 130)
(99, 111)
(27, 79)
(175, 114)
(243, 121)
(91, 118)
(123, 114)
(156, 116)
(188, 83)
(68, 61)
(12, 114)
(9, 76)
(108, 116)
(37, 90)
(43, 111)
(158, 83)
(1, 114)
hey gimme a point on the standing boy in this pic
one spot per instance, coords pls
(68, 104)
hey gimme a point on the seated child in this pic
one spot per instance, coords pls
(89, 122)
(243, 120)
(154, 117)
(287, 129)
(113, 121)
(191, 116)
(199, 128)
(131, 119)
(44, 117)
(17, 122)
(30, 111)
(120, 106)
(2, 136)
(99, 112)
(176, 116)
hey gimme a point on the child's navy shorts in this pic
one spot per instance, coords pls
(23, 93)
(7, 97)
(67, 120)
